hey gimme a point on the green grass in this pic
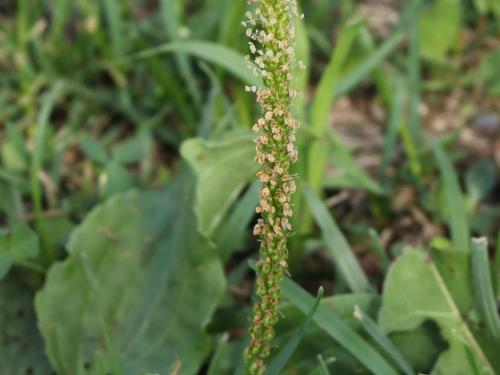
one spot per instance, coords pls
(125, 127)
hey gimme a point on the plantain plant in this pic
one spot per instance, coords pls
(270, 30)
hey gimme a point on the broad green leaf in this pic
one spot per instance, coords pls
(94, 149)
(222, 169)
(23, 243)
(439, 24)
(434, 290)
(337, 246)
(129, 151)
(135, 270)
(116, 179)
(20, 246)
(229, 59)
(11, 158)
(21, 346)
(420, 347)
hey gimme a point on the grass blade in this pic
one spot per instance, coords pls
(37, 159)
(323, 370)
(496, 267)
(481, 278)
(288, 350)
(313, 165)
(457, 214)
(342, 157)
(338, 330)
(229, 59)
(337, 245)
(322, 102)
(169, 17)
(378, 249)
(115, 27)
(380, 338)
(392, 131)
(353, 78)
(414, 130)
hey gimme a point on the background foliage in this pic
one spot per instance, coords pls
(127, 191)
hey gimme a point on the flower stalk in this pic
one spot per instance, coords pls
(271, 33)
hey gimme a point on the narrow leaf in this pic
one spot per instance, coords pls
(481, 278)
(380, 338)
(457, 215)
(354, 77)
(337, 245)
(229, 59)
(323, 370)
(288, 350)
(338, 330)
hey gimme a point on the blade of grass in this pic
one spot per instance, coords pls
(457, 215)
(337, 246)
(343, 86)
(230, 21)
(378, 249)
(173, 90)
(392, 132)
(312, 166)
(284, 355)
(229, 59)
(338, 330)
(496, 267)
(380, 338)
(59, 17)
(481, 277)
(169, 16)
(343, 158)
(321, 106)
(37, 159)
(360, 72)
(303, 53)
(323, 369)
(99, 363)
(414, 131)
(207, 116)
(112, 14)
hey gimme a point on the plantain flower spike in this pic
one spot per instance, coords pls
(271, 34)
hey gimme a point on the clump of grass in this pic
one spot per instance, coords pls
(270, 29)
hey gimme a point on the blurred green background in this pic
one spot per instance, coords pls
(126, 176)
